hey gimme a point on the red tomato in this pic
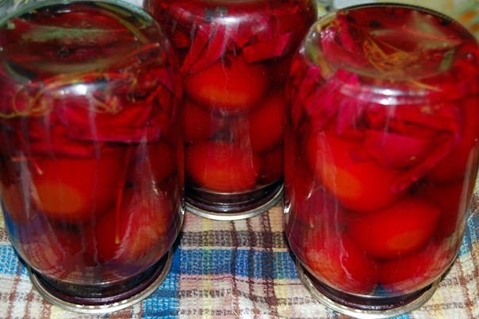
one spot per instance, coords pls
(413, 272)
(222, 166)
(197, 122)
(266, 123)
(455, 165)
(397, 230)
(299, 181)
(297, 175)
(360, 185)
(453, 201)
(14, 202)
(77, 190)
(316, 208)
(55, 252)
(272, 168)
(336, 261)
(140, 232)
(396, 150)
(163, 160)
(152, 163)
(230, 84)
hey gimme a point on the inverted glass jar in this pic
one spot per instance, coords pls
(90, 150)
(235, 57)
(465, 12)
(380, 155)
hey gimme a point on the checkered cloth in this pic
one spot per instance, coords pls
(239, 269)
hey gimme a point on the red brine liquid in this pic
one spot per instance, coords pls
(381, 153)
(235, 57)
(90, 150)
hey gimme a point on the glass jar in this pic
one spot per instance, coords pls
(464, 11)
(90, 150)
(235, 57)
(381, 155)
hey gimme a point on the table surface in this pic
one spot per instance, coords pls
(240, 269)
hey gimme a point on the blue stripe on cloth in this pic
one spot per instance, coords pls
(470, 235)
(248, 263)
(466, 245)
(284, 266)
(164, 302)
(9, 261)
(206, 261)
(473, 226)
